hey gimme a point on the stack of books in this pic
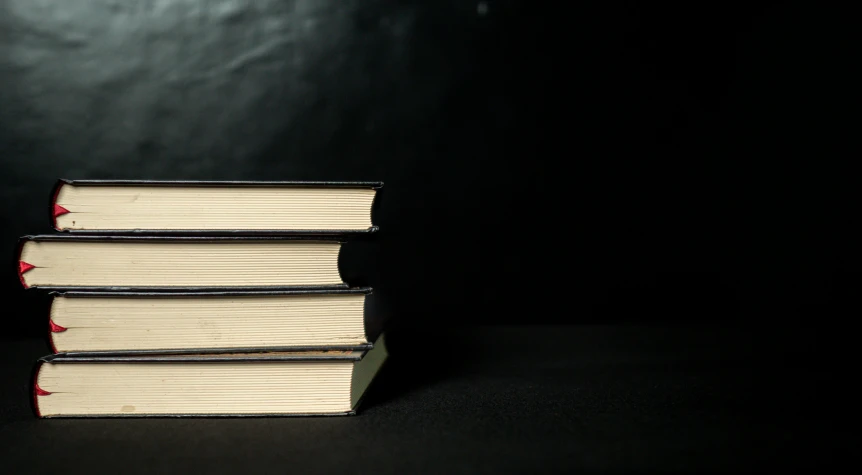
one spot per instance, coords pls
(204, 299)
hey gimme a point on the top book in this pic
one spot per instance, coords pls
(123, 206)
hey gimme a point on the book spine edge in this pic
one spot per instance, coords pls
(36, 388)
(18, 252)
(52, 326)
(53, 205)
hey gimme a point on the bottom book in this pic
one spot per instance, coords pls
(236, 384)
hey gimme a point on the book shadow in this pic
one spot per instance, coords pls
(419, 358)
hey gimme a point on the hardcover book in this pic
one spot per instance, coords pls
(196, 322)
(261, 384)
(129, 206)
(171, 262)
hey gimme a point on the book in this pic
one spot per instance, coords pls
(123, 206)
(240, 384)
(196, 322)
(146, 262)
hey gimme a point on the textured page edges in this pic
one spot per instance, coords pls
(326, 277)
(372, 360)
(97, 389)
(207, 322)
(185, 293)
(57, 210)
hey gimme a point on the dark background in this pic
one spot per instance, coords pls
(642, 161)
(568, 163)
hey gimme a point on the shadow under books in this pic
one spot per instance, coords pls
(419, 357)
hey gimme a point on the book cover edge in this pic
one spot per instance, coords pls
(191, 292)
(285, 183)
(256, 357)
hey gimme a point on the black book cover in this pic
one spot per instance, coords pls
(262, 356)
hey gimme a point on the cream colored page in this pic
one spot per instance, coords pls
(187, 264)
(131, 323)
(213, 208)
(194, 388)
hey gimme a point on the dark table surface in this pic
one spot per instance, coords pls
(491, 400)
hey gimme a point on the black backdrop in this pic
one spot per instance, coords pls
(630, 161)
